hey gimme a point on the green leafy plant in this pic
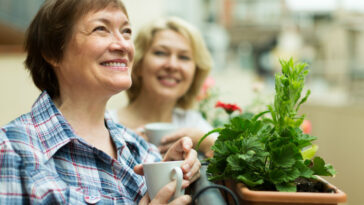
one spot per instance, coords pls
(269, 151)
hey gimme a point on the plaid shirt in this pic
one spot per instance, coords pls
(43, 161)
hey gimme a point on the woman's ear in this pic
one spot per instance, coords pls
(51, 61)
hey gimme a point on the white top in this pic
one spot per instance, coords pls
(181, 118)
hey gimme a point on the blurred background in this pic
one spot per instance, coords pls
(246, 39)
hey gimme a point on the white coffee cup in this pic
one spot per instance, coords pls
(155, 131)
(158, 174)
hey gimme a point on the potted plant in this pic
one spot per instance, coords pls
(268, 156)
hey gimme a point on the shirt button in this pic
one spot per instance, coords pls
(92, 199)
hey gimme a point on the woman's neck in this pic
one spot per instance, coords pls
(85, 115)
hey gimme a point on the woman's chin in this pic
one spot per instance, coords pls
(115, 89)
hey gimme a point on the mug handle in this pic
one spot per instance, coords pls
(177, 173)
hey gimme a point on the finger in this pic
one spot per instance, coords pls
(145, 200)
(175, 152)
(165, 193)
(184, 144)
(194, 173)
(185, 184)
(138, 169)
(187, 144)
(179, 149)
(209, 154)
(189, 160)
(185, 199)
(195, 177)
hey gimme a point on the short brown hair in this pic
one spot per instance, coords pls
(201, 56)
(50, 31)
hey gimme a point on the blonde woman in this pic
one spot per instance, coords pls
(171, 64)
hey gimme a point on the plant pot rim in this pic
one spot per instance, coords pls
(292, 197)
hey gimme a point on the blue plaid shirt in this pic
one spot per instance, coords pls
(43, 161)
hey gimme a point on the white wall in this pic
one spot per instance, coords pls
(17, 90)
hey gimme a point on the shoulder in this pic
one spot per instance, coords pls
(179, 113)
(190, 118)
(19, 137)
(20, 130)
(14, 144)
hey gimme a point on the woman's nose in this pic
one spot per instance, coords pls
(172, 62)
(120, 43)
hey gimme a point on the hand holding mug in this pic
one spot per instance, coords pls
(164, 183)
(164, 195)
(181, 150)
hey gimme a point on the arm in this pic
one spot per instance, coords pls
(194, 133)
(21, 183)
(195, 127)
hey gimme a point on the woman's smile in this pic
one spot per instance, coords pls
(116, 64)
(168, 81)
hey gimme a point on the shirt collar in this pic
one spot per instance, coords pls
(51, 127)
(54, 131)
(120, 134)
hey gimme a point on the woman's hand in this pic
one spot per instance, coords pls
(182, 150)
(194, 134)
(164, 195)
(170, 139)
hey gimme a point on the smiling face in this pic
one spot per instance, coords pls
(99, 55)
(168, 66)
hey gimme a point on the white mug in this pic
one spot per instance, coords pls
(155, 131)
(158, 174)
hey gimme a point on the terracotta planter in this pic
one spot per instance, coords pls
(249, 197)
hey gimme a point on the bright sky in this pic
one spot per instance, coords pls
(325, 5)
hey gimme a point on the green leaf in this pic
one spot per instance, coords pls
(286, 155)
(303, 100)
(286, 187)
(236, 162)
(320, 168)
(206, 135)
(280, 175)
(249, 180)
(309, 153)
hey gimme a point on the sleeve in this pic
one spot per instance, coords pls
(20, 185)
(11, 190)
(195, 119)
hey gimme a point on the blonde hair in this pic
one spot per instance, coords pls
(200, 54)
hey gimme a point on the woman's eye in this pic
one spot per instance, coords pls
(186, 58)
(160, 53)
(127, 31)
(100, 28)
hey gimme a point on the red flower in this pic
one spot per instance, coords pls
(306, 127)
(229, 108)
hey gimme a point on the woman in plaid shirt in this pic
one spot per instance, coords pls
(66, 150)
